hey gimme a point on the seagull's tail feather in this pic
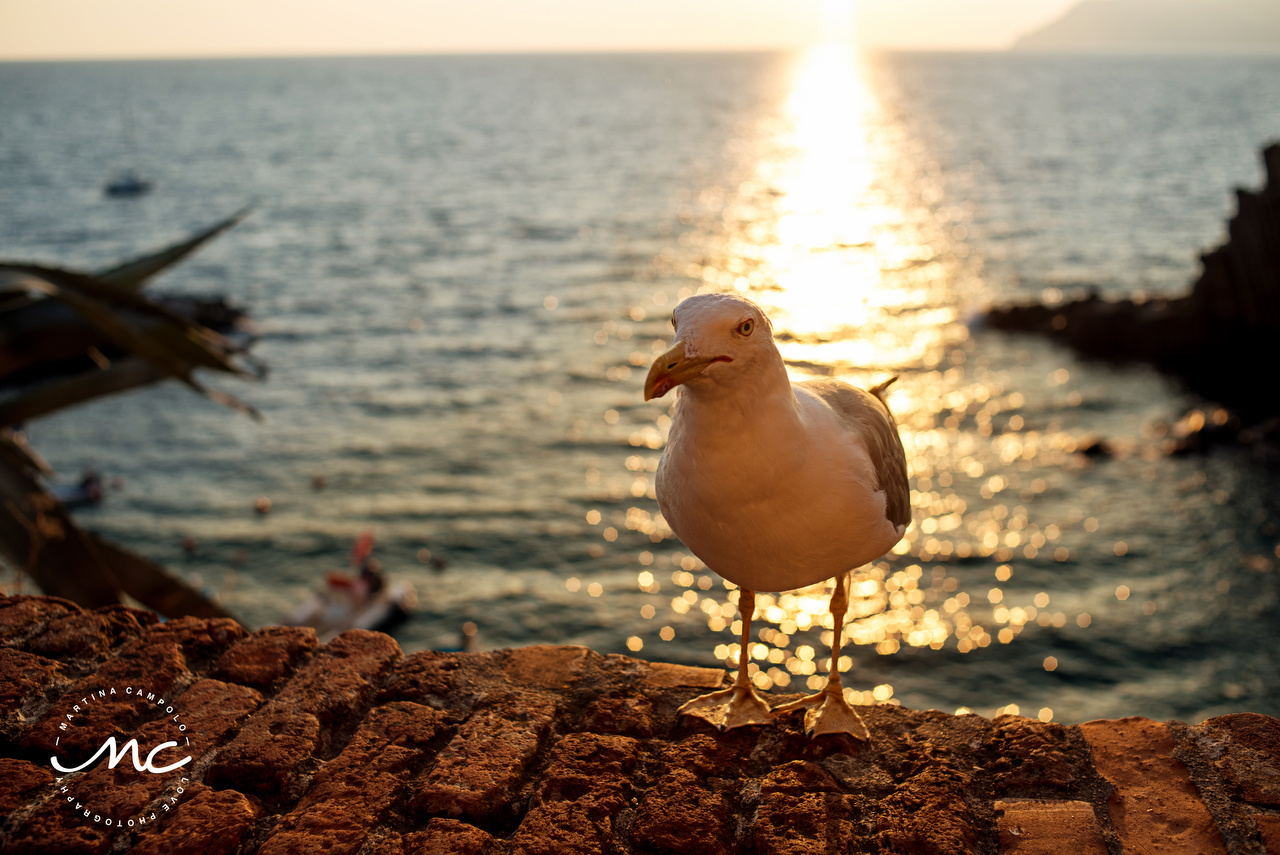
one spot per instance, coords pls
(878, 389)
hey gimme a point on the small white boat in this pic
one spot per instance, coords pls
(338, 608)
(363, 601)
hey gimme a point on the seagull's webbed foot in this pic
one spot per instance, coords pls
(737, 706)
(828, 712)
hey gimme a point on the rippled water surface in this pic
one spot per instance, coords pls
(460, 268)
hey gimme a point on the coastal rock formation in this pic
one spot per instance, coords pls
(354, 747)
(1220, 339)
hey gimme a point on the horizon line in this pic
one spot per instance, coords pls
(1133, 51)
(493, 52)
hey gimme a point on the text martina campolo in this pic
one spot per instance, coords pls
(116, 754)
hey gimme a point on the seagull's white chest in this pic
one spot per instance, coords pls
(775, 497)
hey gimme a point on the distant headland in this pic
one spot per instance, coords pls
(1161, 26)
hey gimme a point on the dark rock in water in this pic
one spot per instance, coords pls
(1094, 446)
(1220, 340)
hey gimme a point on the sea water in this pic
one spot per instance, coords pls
(460, 268)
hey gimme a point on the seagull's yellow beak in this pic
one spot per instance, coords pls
(673, 368)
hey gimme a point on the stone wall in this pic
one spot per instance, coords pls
(353, 747)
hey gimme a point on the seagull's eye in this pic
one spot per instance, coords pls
(745, 328)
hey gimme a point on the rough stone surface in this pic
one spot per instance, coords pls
(89, 635)
(582, 797)
(665, 675)
(422, 677)
(23, 617)
(543, 667)
(804, 810)
(267, 756)
(264, 659)
(214, 710)
(1155, 807)
(929, 813)
(705, 818)
(440, 837)
(625, 715)
(1249, 745)
(299, 747)
(214, 822)
(1049, 828)
(478, 775)
(21, 781)
(1027, 754)
(276, 752)
(353, 793)
(1269, 828)
(26, 681)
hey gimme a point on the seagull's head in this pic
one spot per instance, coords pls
(721, 339)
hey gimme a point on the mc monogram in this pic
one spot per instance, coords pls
(115, 756)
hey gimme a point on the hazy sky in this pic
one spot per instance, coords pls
(56, 29)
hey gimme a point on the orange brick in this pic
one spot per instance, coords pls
(479, 773)
(545, 666)
(1035, 827)
(1155, 808)
(1269, 826)
(665, 675)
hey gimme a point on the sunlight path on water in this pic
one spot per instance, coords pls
(463, 267)
(835, 235)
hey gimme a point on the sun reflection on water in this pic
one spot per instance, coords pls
(840, 232)
(852, 294)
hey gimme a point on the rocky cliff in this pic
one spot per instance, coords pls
(1220, 339)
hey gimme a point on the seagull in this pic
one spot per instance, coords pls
(774, 485)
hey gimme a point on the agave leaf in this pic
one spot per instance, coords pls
(81, 292)
(152, 585)
(133, 275)
(39, 536)
(121, 376)
(41, 336)
(94, 336)
(47, 336)
(112, 324)
(14, 447)
(172, 345)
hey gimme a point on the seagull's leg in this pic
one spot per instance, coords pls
(828, 711)
(738, 705)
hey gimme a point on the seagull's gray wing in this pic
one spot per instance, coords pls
(867, 413)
